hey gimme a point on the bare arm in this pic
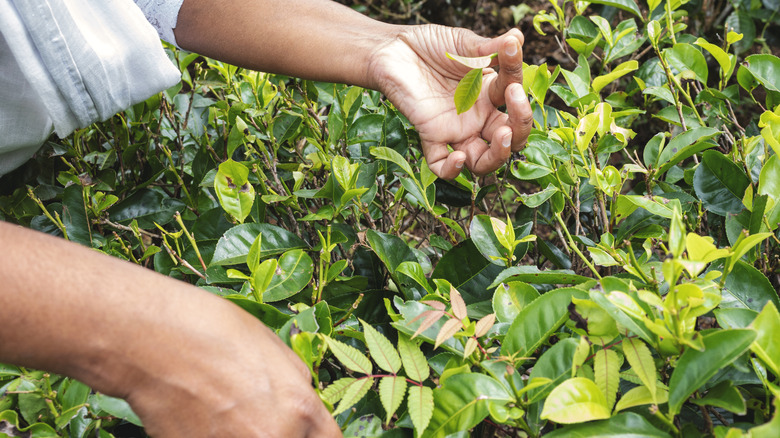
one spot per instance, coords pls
(323, 40)
(313, 39)
(190, 364)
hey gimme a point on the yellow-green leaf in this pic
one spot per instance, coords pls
(606, 370)
(575, 401)
(335, 391)
(641, 360)
(623, 69)
(349, 356)
(420, 406)
(473, 62)
(391, 393)
(382, 351)
(641, 396)
(413, 359)
(353, 393)
(468, 90)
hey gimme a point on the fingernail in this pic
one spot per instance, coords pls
(507, 141)
(518, 94)
(459, 164)
(511, 48)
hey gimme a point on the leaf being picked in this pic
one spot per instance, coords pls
(468, 90)
(473, 62)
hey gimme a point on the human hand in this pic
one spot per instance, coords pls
(239, 380)
(415, 74)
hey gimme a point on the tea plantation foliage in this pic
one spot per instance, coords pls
(618, 276)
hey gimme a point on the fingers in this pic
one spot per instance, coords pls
(521, 117)
(442, 162)
(495, 156)
(510, 61)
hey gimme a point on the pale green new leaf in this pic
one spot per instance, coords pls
(473, 62)
(623, 69)
(420, 406)
(745, 245)
(385, 153)
(575, 401)
(580, 355)
(335, 391)
(391, 393)
(641, 360)
(468, 90)
(349, 356)
(382, 351)
(413, 359)
(606, 369)
(641, 396)
(353, 393)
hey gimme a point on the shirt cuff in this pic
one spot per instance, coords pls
(162, 15)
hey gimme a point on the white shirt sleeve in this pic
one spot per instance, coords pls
(162, 14)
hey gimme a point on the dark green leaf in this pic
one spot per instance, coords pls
(720, 184)
(293, 273)
(234, 246)
(625, 425)
(538, 320)
(695, 367)
(532, 275)
(462, 402)
(748, 288)
(766, 70)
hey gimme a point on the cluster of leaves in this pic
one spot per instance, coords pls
(620, 276)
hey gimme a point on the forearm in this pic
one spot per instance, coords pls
(71, 310)
(312, 39)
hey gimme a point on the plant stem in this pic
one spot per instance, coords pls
(575, 248)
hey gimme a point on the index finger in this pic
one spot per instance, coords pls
(510, 62)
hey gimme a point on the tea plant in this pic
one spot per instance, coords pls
(619, 276)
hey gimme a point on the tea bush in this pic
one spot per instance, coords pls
(619, 276)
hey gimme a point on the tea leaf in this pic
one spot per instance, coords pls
(473, 62)
(695, 367)
(468, 90)
(575, 401)
(458, 305)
